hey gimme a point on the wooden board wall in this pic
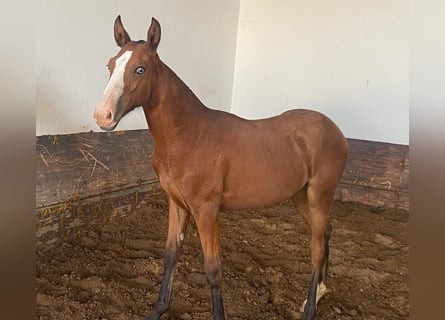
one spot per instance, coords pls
(376, 174)
(83, 180)
(86, 179)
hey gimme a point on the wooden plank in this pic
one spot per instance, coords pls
(85, 179)
(372, 196)
(376, 173)
(78, 166)
(375, 164)
(60, 222)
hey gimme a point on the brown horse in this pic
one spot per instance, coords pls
(208, 160)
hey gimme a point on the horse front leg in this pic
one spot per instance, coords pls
(208, 227)
(178, 220)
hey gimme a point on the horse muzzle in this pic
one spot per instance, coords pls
(105, 119)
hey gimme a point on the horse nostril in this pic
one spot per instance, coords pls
(109, 115)
(103, 116)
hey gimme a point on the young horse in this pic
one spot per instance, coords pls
(208, 160)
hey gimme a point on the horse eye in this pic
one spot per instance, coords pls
(139, 70)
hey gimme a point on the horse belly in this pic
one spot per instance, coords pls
(253, 185)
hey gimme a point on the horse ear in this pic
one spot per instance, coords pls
(154, 34)
(120, 35)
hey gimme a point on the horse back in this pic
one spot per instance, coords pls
(267, 161)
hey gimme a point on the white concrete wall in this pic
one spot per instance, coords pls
(346, 58)
(74, 40)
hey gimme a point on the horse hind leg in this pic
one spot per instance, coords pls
(301, 202)
(322, 281)
(313, 202)
(325, 267)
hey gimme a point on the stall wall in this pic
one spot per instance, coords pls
(346, 58)
(75, 40)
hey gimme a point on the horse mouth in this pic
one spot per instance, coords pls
(107, 125)
(109, 128)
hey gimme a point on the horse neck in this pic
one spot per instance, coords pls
(174, 114)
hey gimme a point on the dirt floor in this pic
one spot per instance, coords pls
(114, 271)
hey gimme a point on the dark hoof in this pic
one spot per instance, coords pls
(309, 317)
(309, 313)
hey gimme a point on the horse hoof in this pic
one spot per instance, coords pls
(309, 312)
(152, 316)
(309, 317)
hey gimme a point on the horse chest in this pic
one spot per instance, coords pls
(168, 184)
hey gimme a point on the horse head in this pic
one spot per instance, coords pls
(131, 75)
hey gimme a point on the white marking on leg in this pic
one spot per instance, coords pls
(181, 237)
(321, 290)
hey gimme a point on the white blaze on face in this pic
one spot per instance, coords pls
(105, 112)
(115, 86)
